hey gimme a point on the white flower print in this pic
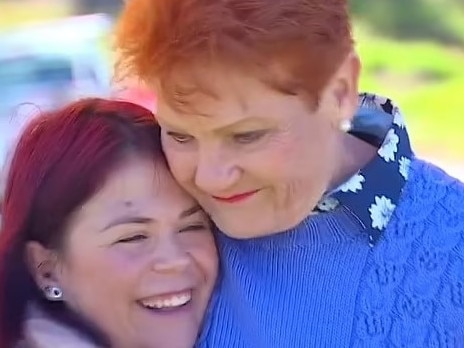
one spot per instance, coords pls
(404, 163)
(398, 118)
(389, 146)
(381, 212)
(352, 185)
(368, 101)
(379, 100)
(327, 204)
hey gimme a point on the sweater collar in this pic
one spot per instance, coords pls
(373, 193)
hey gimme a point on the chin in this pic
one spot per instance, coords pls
(166, 331)
(179, 340)
(243, 231)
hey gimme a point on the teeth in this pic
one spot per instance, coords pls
(170, 302)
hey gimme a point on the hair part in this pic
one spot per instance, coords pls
(309, 39)
(61, 160)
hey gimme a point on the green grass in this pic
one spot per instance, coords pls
(426, 80)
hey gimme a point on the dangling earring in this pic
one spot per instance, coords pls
(53, 293)
(345, 126)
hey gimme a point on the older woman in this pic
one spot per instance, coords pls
(332, 233)
(99, 246)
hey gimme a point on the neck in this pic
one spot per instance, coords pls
(355, 154)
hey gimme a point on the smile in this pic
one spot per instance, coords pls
(236, 198)
(166, 302)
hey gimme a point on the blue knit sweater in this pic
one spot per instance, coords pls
(322, 284)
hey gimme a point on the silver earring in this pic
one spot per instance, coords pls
(345, 126)
(53, 293)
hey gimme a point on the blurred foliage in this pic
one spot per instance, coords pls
(412, 51)
(439, 20)
(426, 80)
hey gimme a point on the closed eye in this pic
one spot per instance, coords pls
(179, 137)
(194, 228)
(249, 137)
(132, 239)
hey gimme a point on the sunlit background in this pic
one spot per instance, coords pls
(412, 51)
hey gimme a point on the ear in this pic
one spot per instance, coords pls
(345, 87)
(42, 264)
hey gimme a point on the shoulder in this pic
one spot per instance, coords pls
(428, 185)
(42, 331)
(422, 258)
(431, 207)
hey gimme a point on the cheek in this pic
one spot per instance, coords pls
(102, 271)
(181, 165)
(293, 163)
(202, 249)
(279, 161)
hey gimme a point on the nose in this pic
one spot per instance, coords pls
(170, 257)
(215, 172)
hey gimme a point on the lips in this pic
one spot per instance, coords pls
(236, 198)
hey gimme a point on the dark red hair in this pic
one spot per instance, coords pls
(309, 39)
(62, 159)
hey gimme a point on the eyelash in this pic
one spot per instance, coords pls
(176, 137)
(241, 138)
(136, 238)
(248, 137)
(140, 237)
(193, 228)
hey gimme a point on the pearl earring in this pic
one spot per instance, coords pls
(53, 293)
(345, 126)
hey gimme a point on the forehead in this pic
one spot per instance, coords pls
(223, 96)
(138, 186)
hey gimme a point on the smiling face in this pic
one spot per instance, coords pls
(139, 260)
(258, 160)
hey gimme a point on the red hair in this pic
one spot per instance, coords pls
(62, 159)
(308, 38)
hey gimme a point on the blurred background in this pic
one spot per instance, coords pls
(53, 51)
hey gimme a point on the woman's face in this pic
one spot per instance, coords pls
(140, 260)
(256, 159)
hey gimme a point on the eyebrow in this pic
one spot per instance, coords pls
(245, 121)
(191, 211)
(127, 219)
(124, 220)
